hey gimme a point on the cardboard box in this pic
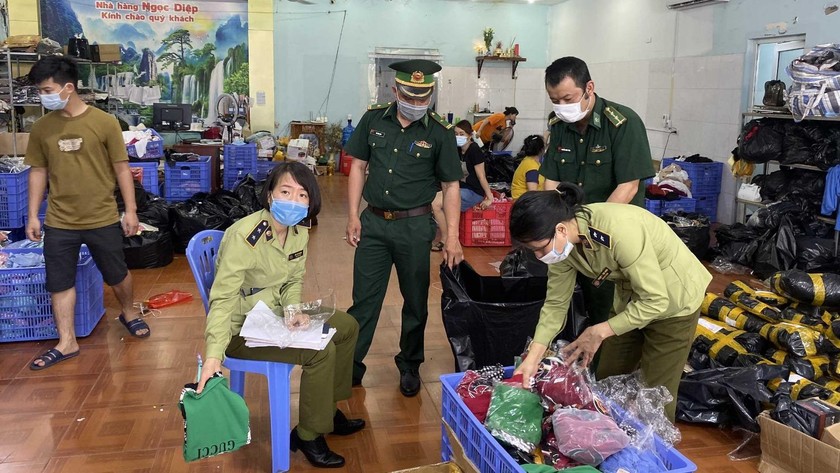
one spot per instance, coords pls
(9, 140)
(459, 462)
(831, 435)
(786, 450)
(109, 53)
(817, 414)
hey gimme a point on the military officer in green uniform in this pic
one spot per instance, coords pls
(599, 145)
(660, 284)
(262, 257)
(408, 151)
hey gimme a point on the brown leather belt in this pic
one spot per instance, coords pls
(398, 214)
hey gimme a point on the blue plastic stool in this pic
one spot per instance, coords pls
(201, 256)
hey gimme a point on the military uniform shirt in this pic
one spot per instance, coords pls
(656, 276)
(251, 267)
(614, 149)
(405, 164)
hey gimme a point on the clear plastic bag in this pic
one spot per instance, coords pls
(561, 385)
(314, 313)
(724, 266)
(643, 404)
(587, 436)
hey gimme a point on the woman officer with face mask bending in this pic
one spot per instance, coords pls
(262, 257)
(660, 284)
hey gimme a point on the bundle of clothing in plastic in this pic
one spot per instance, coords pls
(567, 420)
(752, 342)
(671, 183)
(784, 235)
(769, 139)
(11, 165)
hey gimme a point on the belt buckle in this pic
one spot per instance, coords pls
(388, 215)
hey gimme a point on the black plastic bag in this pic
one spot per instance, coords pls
(191, 216)
(499, 167)
(148, 250)
(247, 191)
(726, 396)
(229, 203)
(733, 243)
(816, 255)
(761, 140)
(141, 197)
(156, 214)
(800, 142)
(816, 289)
(521, 263)
(696, 237)
(777, 251)
(488, 319)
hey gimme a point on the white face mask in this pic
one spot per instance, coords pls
(460, 140)
(553, 256)
(571, 112)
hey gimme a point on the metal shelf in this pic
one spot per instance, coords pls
(787, 116)
(749, 202)
(797, 166)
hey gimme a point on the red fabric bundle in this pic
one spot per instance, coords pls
(563, 386)
(476, 392)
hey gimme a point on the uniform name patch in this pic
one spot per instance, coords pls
(295, 255)
(601, 277)
(563, 150)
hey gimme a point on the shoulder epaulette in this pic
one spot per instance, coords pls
(553, 121)
(441, 120)
(614, 116)
(600, 237)
(254, 237)
(379, 106)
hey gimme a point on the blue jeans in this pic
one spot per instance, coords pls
(469, 199)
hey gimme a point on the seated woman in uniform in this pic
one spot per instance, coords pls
(527, 175)
(262, 257)
(475, 190)
(660, 284)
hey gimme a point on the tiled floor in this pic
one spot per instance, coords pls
(114, 408)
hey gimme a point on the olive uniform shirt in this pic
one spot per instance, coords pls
(251, 267)
(614, 149)
(79, 154)
(656, 276)
(405, 164)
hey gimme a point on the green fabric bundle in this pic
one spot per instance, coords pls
(215, 421)
(515, 417)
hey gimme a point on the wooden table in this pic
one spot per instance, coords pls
(215, 153)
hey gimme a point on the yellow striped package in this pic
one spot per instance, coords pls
(819, 289)
(809, 367)
(765, 296)
(755, 306)
(796, 339)
(726, 311)
(803, 389)
(829, 383)
(724, 343)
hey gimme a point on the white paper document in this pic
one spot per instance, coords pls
(263, 328)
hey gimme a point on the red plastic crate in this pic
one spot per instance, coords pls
(486, 227)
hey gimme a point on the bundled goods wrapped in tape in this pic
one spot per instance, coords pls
(818, 289)
(796, 339)
(725, 343)
(802, 388)
(767, 297)
(726, 311)
(752, 305)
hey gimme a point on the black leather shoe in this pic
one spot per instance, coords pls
(316, 451)
(409, 382)
(344, 426)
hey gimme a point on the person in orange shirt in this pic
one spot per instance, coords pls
(494, 124)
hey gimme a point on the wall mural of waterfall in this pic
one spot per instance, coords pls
(176, 52)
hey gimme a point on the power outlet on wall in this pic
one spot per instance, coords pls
(666, 123)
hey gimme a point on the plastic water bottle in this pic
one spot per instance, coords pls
(347, 131)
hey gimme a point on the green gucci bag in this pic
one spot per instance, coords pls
(215, 421)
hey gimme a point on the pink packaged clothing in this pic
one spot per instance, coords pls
(560, 385)
(588, 437)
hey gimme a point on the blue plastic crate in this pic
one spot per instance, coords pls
(489, 456)
(154, 148)
(707, 206)
(705, 177)
(654, 206)
(682, 204)
(151, 179)
(240, 160)
(263, 168)
(185, 179)
(14, 198)
(25, 308)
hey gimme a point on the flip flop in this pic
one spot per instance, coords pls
(437, 247)
(51, 357)
(135, 326)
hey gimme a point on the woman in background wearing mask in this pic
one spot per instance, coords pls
(527, 175)
(660, 284)
(490, 128)
(475, 191)
(262, 257)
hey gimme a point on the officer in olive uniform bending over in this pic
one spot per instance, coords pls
(407, 151)
(599, 145)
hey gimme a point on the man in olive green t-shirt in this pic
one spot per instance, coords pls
(80, 150)
(599, 145)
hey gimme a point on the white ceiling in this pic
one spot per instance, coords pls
(538, 2)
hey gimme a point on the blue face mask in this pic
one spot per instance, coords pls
(54, 101)
(288, 213)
